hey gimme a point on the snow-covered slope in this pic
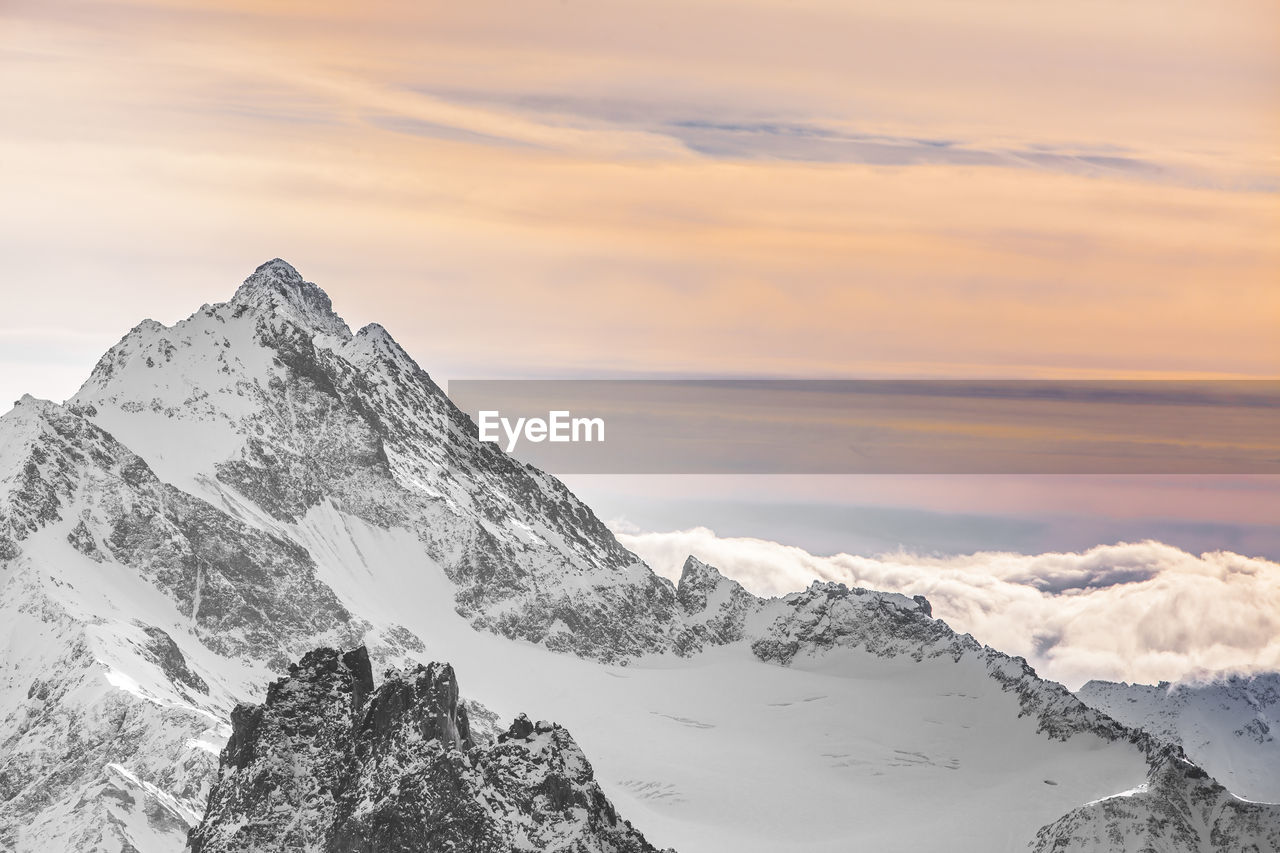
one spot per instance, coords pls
(1180, 809)
(1228, 725)
(256, 481)
(107, 731)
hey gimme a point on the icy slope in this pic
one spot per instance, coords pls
(1230, 726)
(256, 481)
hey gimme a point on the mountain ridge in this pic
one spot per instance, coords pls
(295, 485)
(1225, 723)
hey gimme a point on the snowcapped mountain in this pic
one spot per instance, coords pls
(1227, 725)
(270, 407)
(227, 494)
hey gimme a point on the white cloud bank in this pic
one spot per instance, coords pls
(1141, 612)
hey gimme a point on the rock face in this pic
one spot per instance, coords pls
(330, 763)
(1181, 809)
(714, 608)
(1230, 725)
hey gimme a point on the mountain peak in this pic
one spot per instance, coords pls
(29, 409)
(279, 268)
(17, 426)
(694, 571)
(277, 286)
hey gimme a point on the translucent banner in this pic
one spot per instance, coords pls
(880, 426)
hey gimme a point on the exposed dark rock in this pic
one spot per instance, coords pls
(713, 608)
(82, 540)
(520, 729)
(830, 615)
(328, 763)
(166, 654)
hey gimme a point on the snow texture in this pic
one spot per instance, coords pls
(1228, 725)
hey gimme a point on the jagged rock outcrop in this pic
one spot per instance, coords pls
(1180, 809)
(830, 615)
(714, 608)
(331, 763)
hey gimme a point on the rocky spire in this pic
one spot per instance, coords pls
(330, 764)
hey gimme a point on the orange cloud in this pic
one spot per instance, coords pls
(1075, 189)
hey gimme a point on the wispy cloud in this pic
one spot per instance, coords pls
(816, 143)
(808, 189)
(719, 135)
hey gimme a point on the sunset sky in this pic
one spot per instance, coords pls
(817, 188)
